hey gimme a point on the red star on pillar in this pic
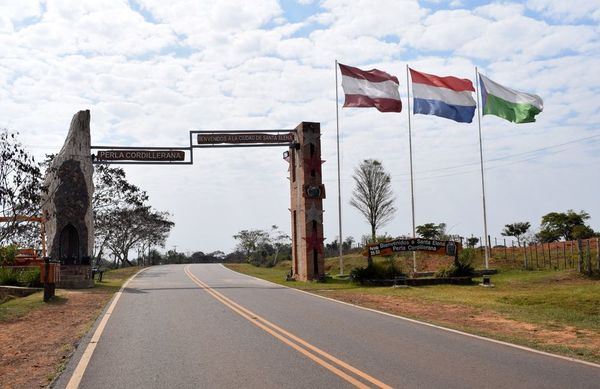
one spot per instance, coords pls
(314, 163)
(315, 242)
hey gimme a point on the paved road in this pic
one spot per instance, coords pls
(204, 326)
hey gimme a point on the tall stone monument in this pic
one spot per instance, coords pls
(67, 206)
(307, 194)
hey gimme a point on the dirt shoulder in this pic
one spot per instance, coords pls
(36, 345)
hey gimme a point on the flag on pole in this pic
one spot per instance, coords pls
(372, 88)
(507, 103)
(448, 97)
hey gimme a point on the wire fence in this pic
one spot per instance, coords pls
(582, 255)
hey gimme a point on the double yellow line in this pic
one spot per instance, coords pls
(319, 356)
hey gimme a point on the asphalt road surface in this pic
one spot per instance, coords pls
(204, 326)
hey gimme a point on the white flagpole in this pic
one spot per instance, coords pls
(412, 192)
(337, 121)
(487, 255)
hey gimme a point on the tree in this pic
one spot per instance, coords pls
(432, 231)
(252, 243)
(568, 226)
(280, 240)
(113, 196)
(20, 190)
(347, 244)
(373, 195)
(517, 230)
(472, 242)
(130, 227)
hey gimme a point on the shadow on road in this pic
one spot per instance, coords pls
(146, 290)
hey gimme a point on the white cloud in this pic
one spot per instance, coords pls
(17, 11)
(568, 11)
(446, 30)
(250, 69)
(386, 17)
(499, 11)
(6, 25)
(106, 27)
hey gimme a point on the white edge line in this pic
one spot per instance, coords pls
(77, 375)
(432, 325)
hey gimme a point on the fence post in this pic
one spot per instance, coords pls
(512, 249)
(580, 251)
(598, 254)
(46, 279)
(524, 254)
(571, 260)
(543, 255)
(588, 259)
(505, 249)
(531, 255)
(565, 253)
(537, 264)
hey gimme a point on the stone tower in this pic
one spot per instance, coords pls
(307, 194)
(67, 206)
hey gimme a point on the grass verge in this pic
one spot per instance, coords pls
(14, 308)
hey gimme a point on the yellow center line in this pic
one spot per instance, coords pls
(281, 334)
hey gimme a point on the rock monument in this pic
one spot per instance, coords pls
(67, 206)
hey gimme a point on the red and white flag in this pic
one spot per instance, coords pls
(372, 88)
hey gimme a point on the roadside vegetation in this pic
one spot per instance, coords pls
(13, 308)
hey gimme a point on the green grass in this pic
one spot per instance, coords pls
(15, 307)
(112, 280)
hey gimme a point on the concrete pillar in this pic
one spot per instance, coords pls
(307, 194)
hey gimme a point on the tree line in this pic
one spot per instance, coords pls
(372, 196)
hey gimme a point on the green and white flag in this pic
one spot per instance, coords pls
(509, 104)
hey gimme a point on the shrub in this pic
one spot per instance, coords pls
(8, 254)
(20, 277)
(9, 276)
(29, 277)
(376, 271)
(462, 267)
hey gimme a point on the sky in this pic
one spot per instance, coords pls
(151, 70)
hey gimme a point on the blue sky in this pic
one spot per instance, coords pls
(150, 71)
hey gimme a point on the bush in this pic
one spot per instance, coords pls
(9, 276)
(29, 277)
(376, 271)
(8, 254)
(463, 267)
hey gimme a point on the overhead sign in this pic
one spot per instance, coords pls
(140, 155)
(239, 138)
(434, 246)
